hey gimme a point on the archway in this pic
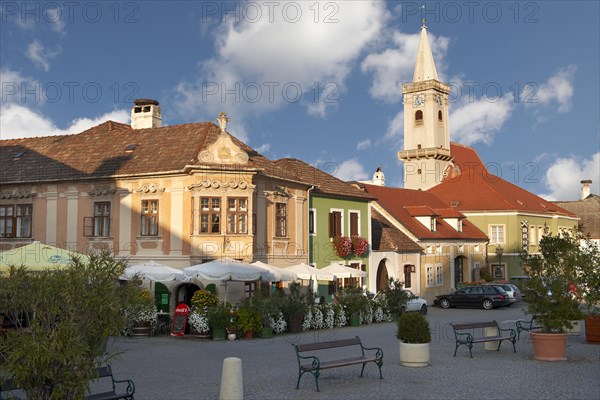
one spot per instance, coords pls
(185, 292)
(382, 276)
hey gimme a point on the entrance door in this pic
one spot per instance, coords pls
(382, 276)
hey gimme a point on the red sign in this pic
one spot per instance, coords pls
(180, 320)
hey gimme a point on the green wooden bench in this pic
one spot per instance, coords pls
(309, 362)
(468, 338)
(528, 326)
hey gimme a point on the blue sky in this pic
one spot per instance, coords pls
(319, 81)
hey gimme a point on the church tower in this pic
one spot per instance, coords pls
(426, 153)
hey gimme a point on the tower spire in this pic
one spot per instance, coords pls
(425, 66)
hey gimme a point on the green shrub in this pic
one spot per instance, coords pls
(412, 327)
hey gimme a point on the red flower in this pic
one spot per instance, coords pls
(342, 246)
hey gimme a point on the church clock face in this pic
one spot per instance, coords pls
(418, 100)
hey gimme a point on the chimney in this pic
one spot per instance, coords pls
(145, 114)
(585, 188)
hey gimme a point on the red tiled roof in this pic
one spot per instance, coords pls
(395, 201)
(476, 189)
(420, 211)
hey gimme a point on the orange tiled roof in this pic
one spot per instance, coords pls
(476, 189)
(397, 202)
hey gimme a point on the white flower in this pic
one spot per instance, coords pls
(306, 324)
(280, 325)
(329, 319)
(340, 317)
(379, 316)
(199, 322)
(317, 322)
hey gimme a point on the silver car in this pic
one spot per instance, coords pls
(414, 303)
(513, 292)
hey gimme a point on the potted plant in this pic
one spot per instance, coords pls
(199, 322)
(249, 321)
(587, 286)
(394, 297)
(219, 317)
(294, 307)
(550, 296)
(354, 301)
(413, 331)
(141, 316)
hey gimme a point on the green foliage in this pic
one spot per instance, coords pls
(294, 304)
(353, 300)
(219, 316)
(550, 295)
(413, 328)
(394, 297)
(588, 274)
(202, 300)
(141, 312)
(63, 319)
(249, 319)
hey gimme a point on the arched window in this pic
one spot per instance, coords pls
(419, 117)
(440, 116)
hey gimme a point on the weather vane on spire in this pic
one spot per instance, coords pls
(423, 20)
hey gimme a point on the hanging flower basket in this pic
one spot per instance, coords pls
(360, 246)
(342, 246)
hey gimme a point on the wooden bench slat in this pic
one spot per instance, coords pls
(327, 345)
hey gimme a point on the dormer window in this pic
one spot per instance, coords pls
(459, 225)
(433, 224)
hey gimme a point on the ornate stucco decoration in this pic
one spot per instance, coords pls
(17, 194)
(98, 191)
(223, 150)
(215, 184)
(150, 189)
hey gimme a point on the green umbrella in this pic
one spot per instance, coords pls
(37, 256)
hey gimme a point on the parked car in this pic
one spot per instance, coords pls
(514, 294)
(414, 303)
(486, 296)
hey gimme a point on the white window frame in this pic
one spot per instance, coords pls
(439, 275)
(491, 235)
(532, 233)
(429, 282)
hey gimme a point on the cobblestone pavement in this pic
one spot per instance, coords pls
(165, 367)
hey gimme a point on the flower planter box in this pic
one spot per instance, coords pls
(143, 330)
(266, 333)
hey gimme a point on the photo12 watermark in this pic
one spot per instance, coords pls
(61, 12)
(270, 92)
(271, 11)
(69, 92)
(525, 12)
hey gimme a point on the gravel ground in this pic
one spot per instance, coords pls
(171, 368)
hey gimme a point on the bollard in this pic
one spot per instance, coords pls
(232, 387)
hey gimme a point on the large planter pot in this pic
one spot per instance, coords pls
(218, 333)
(266, 333)
(414, 354)
(141, 330)
(354, 321)
(549, 346)
(592, 329)
(295, 324)
(249, 334)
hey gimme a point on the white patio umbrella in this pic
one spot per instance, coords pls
(228, 271)
(154, 271)
(343, 271)
(281, 274)
(305, 271)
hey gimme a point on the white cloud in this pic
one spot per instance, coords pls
(478, 120)
(56, 19)
(558, 90)
(41, 55)
(395, 129)
(18, 121)
(265, 64)
(351, 170)
(395, 65)
(10, 84)
(263, 148)
(365, 144)
(563, 178)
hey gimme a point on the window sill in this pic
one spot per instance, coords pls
(149, 237)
